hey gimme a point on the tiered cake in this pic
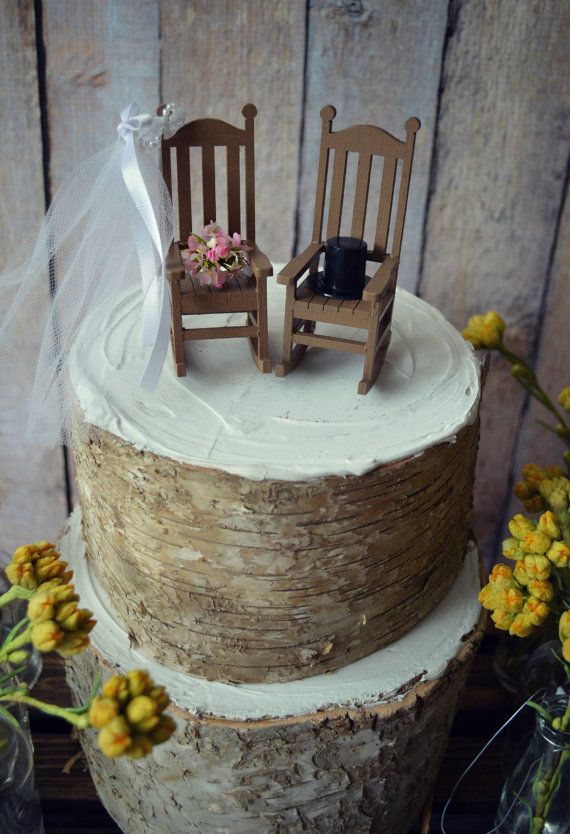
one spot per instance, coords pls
(292, 561)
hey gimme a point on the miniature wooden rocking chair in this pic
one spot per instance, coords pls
(239, 294)
(373, 313)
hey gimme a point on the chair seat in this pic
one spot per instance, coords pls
(238, 295)
(314, 307)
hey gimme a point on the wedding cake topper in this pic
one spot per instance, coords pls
(108, 229)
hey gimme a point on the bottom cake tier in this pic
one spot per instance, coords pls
(355, 750)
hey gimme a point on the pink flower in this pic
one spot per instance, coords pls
(210, 230)
(193, 243)
(222, 248)
(211, 255)
(236, 238)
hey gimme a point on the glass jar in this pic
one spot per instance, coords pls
(20, 809)
(536, 797)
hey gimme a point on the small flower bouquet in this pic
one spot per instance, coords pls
(129, 714)
(214, 255)
(532, 598)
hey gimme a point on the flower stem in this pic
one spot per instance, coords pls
(79, 721)
(534, 389)
(17, 642)
(14, 593)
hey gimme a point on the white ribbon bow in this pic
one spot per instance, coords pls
(156, 297)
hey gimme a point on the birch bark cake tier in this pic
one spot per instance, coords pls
(250, 528)
(356, 750)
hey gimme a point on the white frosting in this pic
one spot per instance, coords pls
(227, 415)
(422, 654)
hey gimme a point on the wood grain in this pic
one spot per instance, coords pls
(214, 60)
(271, 580)
(32, 485)
(502, 151)
(348, 770)
(537, 445)
(100, 56)
(378, 62)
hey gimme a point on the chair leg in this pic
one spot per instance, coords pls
(177, 330)
(292, 354)
(260, 344)
(372, 362)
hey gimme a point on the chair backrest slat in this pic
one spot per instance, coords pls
(366, 142)
(403, 198)
(327, 115)
(337, 193)
(361, 195)
(234, 202)
(208, 134)
(184, 197)
(208, 183)
(385, 204)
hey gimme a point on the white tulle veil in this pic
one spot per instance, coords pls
(108, 229)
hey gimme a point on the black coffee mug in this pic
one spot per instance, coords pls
(344, 275)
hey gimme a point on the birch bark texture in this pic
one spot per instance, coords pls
(240, 580)
(339, 771)
(485, 228)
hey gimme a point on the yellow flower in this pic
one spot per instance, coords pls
(566, 650)
(59, 607)
(163, 730)
(548, 523)
(34, 564)
(564, 399)
(131, 723)
(46, 636)
(559, 554)
(536, 610)
(21, 574)
(536, 567)
(139, 682)
(115, 738)
(521, 625)
(485, 331)
(490, 597)
(511, 549)
(141, 746)
(535, 504)
(564, 626)
(541, 589)
(142, 712)
(160, 697)
(502, 619)
(536, 542)
(117, 687)
(519, 526)
(502, 575)
(520, 573)
(512, 600)
(102, 711)
(74, 642)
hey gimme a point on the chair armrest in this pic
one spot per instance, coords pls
(376, 287)
(295, 268)
(174, 264)
(260, 263)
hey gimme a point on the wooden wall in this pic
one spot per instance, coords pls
(488, 224)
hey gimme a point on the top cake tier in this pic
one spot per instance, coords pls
(251, 528)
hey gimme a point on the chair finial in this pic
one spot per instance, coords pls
(249, 111)
(328, 113)
(413, 124)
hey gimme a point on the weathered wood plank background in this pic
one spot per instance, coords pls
(488, 224)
